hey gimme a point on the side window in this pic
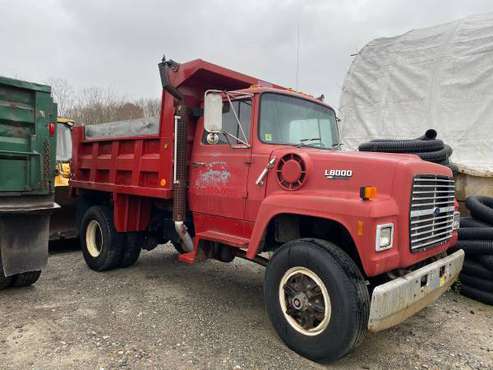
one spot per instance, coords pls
(243, 109)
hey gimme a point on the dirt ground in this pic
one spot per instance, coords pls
(164, 314)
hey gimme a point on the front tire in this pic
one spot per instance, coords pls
(316, 299)
(102, 246)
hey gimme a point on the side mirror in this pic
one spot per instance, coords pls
(213, 112)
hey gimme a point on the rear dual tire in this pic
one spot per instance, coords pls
(17, 281)
(102, 246)
(131, 250)
(316, 299)
(25, 279)
(5, 281)
(20, 280)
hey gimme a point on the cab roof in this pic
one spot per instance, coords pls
(197, 76)
(286, 91)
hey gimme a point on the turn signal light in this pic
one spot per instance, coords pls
(360, 228)
(51, 128)
(368, 192)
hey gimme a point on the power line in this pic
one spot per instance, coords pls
(298, 50)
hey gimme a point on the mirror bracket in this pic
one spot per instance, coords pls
(213, 110)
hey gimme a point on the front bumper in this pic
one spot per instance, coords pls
(395, 301)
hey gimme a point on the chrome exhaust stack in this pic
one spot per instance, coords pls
(180, 179)
(180, 155)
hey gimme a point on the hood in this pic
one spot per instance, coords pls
(319, 170)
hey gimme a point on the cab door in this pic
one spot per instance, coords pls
(219, 172)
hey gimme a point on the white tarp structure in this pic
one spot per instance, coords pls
(438, 77)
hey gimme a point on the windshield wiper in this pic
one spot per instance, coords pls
(312, 139)
(337, 145)
(303, 141)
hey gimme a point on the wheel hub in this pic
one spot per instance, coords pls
(305, 301)
(94, 238)
(300, 301)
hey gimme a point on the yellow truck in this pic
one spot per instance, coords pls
(62, 225)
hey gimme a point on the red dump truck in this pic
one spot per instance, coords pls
(238, 167)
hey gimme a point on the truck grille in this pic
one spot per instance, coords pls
(432, 211)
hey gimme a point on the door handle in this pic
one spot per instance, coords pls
(268, 166)
(198, 164)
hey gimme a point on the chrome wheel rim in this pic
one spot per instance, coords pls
(94, 238)
(305, 301)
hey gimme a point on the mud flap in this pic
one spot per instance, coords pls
(24, 240)
(63, 220)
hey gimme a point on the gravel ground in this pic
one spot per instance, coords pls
(164, 314)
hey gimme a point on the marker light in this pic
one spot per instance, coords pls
(368, 192)
(51, 128)
(360, 228)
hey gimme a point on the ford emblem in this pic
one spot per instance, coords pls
(436, 211)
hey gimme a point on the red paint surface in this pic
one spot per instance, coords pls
(291, 171)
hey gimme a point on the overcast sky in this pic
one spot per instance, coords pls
(117, 44)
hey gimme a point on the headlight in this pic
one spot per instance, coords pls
(456, 221)
(384, 237)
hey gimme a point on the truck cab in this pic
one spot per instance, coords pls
(239, 167)
(274, 163)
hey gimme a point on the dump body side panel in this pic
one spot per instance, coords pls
(27, 157)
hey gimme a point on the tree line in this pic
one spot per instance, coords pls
(97, 105)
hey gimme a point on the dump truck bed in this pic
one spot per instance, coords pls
(139, 161)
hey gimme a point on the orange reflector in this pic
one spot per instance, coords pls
(162, 182)
(359, 228)
(368, 192)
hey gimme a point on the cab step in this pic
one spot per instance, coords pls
(213, 236)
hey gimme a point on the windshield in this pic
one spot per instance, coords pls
(289, 120)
